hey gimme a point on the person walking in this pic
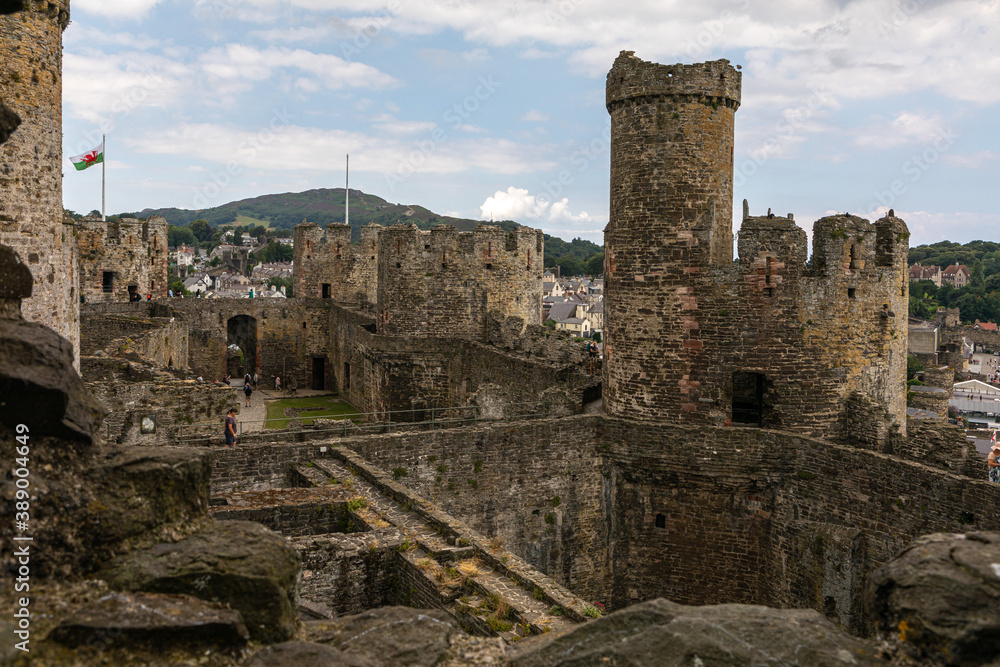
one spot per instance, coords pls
(231, 428)
(277, 384)
(993, 461)
(247, 390)
(255, 382)
(592, 349)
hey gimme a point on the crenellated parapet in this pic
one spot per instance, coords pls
(327, 265)
(776, 339)
(122, 257)
(444, 282)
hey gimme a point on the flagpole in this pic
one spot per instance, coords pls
(104, 160)
(347, 192)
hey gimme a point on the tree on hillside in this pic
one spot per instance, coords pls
(570, 265)
(977, 283)
(177, 236)
(274, 252)
(595, 265)
(201, 230)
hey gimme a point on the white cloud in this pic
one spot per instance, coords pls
(978, 160)
(519, 204)
(116, 9)
(392, 125)
(862, 49)
(535, 116)
(282, 146)
(235, 67)
(128, 81)
(906, 128)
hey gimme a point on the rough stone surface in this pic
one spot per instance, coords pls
(116, 256)
(241, 563)
(691, 336)
(31, 212)
(306, 654)
(140, 489)
(941, 598)
(389, 635)
(39, 386)
(660, 632)
(152, 621)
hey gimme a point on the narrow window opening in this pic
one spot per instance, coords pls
(108, 283)
(768, 291)
(303, 325)
(326, 290)
(347, 376)
(427, 246)
(489, 266)
(661, 521)
(748, 398)
(852, 292)
(338, 251)
(398, 265)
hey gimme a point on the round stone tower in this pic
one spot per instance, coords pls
(31, 210)
(672, 132)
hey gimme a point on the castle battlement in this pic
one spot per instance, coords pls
(122, 257)
(775, 339)
(632, 78)
(444, 282)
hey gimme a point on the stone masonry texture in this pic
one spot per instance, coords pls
(686, 325)
(31, 212)
(133, 252)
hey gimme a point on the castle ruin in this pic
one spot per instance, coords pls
(752, 449)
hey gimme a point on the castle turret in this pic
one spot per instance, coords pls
(31, 212)
(671, 217)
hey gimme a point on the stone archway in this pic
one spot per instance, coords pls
(241, 332)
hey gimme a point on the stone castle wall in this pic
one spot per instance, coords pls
(31, 211)
(628, 511)
(751, 515)
(687, 329)
(444, 282)
(326, 263)
(133, 252)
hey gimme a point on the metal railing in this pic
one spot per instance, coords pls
(364, 422)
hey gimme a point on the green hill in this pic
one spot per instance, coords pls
(324, 206)
(284, 211)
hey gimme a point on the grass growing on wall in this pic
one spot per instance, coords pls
(330, 408)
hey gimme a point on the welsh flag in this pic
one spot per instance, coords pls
(89, 159)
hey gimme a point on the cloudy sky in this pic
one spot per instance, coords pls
(496, 107)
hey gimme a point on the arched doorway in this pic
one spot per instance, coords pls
(241, 342)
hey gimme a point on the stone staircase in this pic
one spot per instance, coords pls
(445, 564)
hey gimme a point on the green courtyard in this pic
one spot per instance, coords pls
(314, 407)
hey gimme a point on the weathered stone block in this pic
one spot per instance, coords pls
(389, 635)
(663, 633)
(941, 598)
(241, 563)
(153, 622)
(306, 654)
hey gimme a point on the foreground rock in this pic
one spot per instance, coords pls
(241, 563)
(663, 633)
(389, 636)
(940, 599)
(153, 622)
(306, 654)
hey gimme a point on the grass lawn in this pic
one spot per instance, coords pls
(330, 408)
(243, 220)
